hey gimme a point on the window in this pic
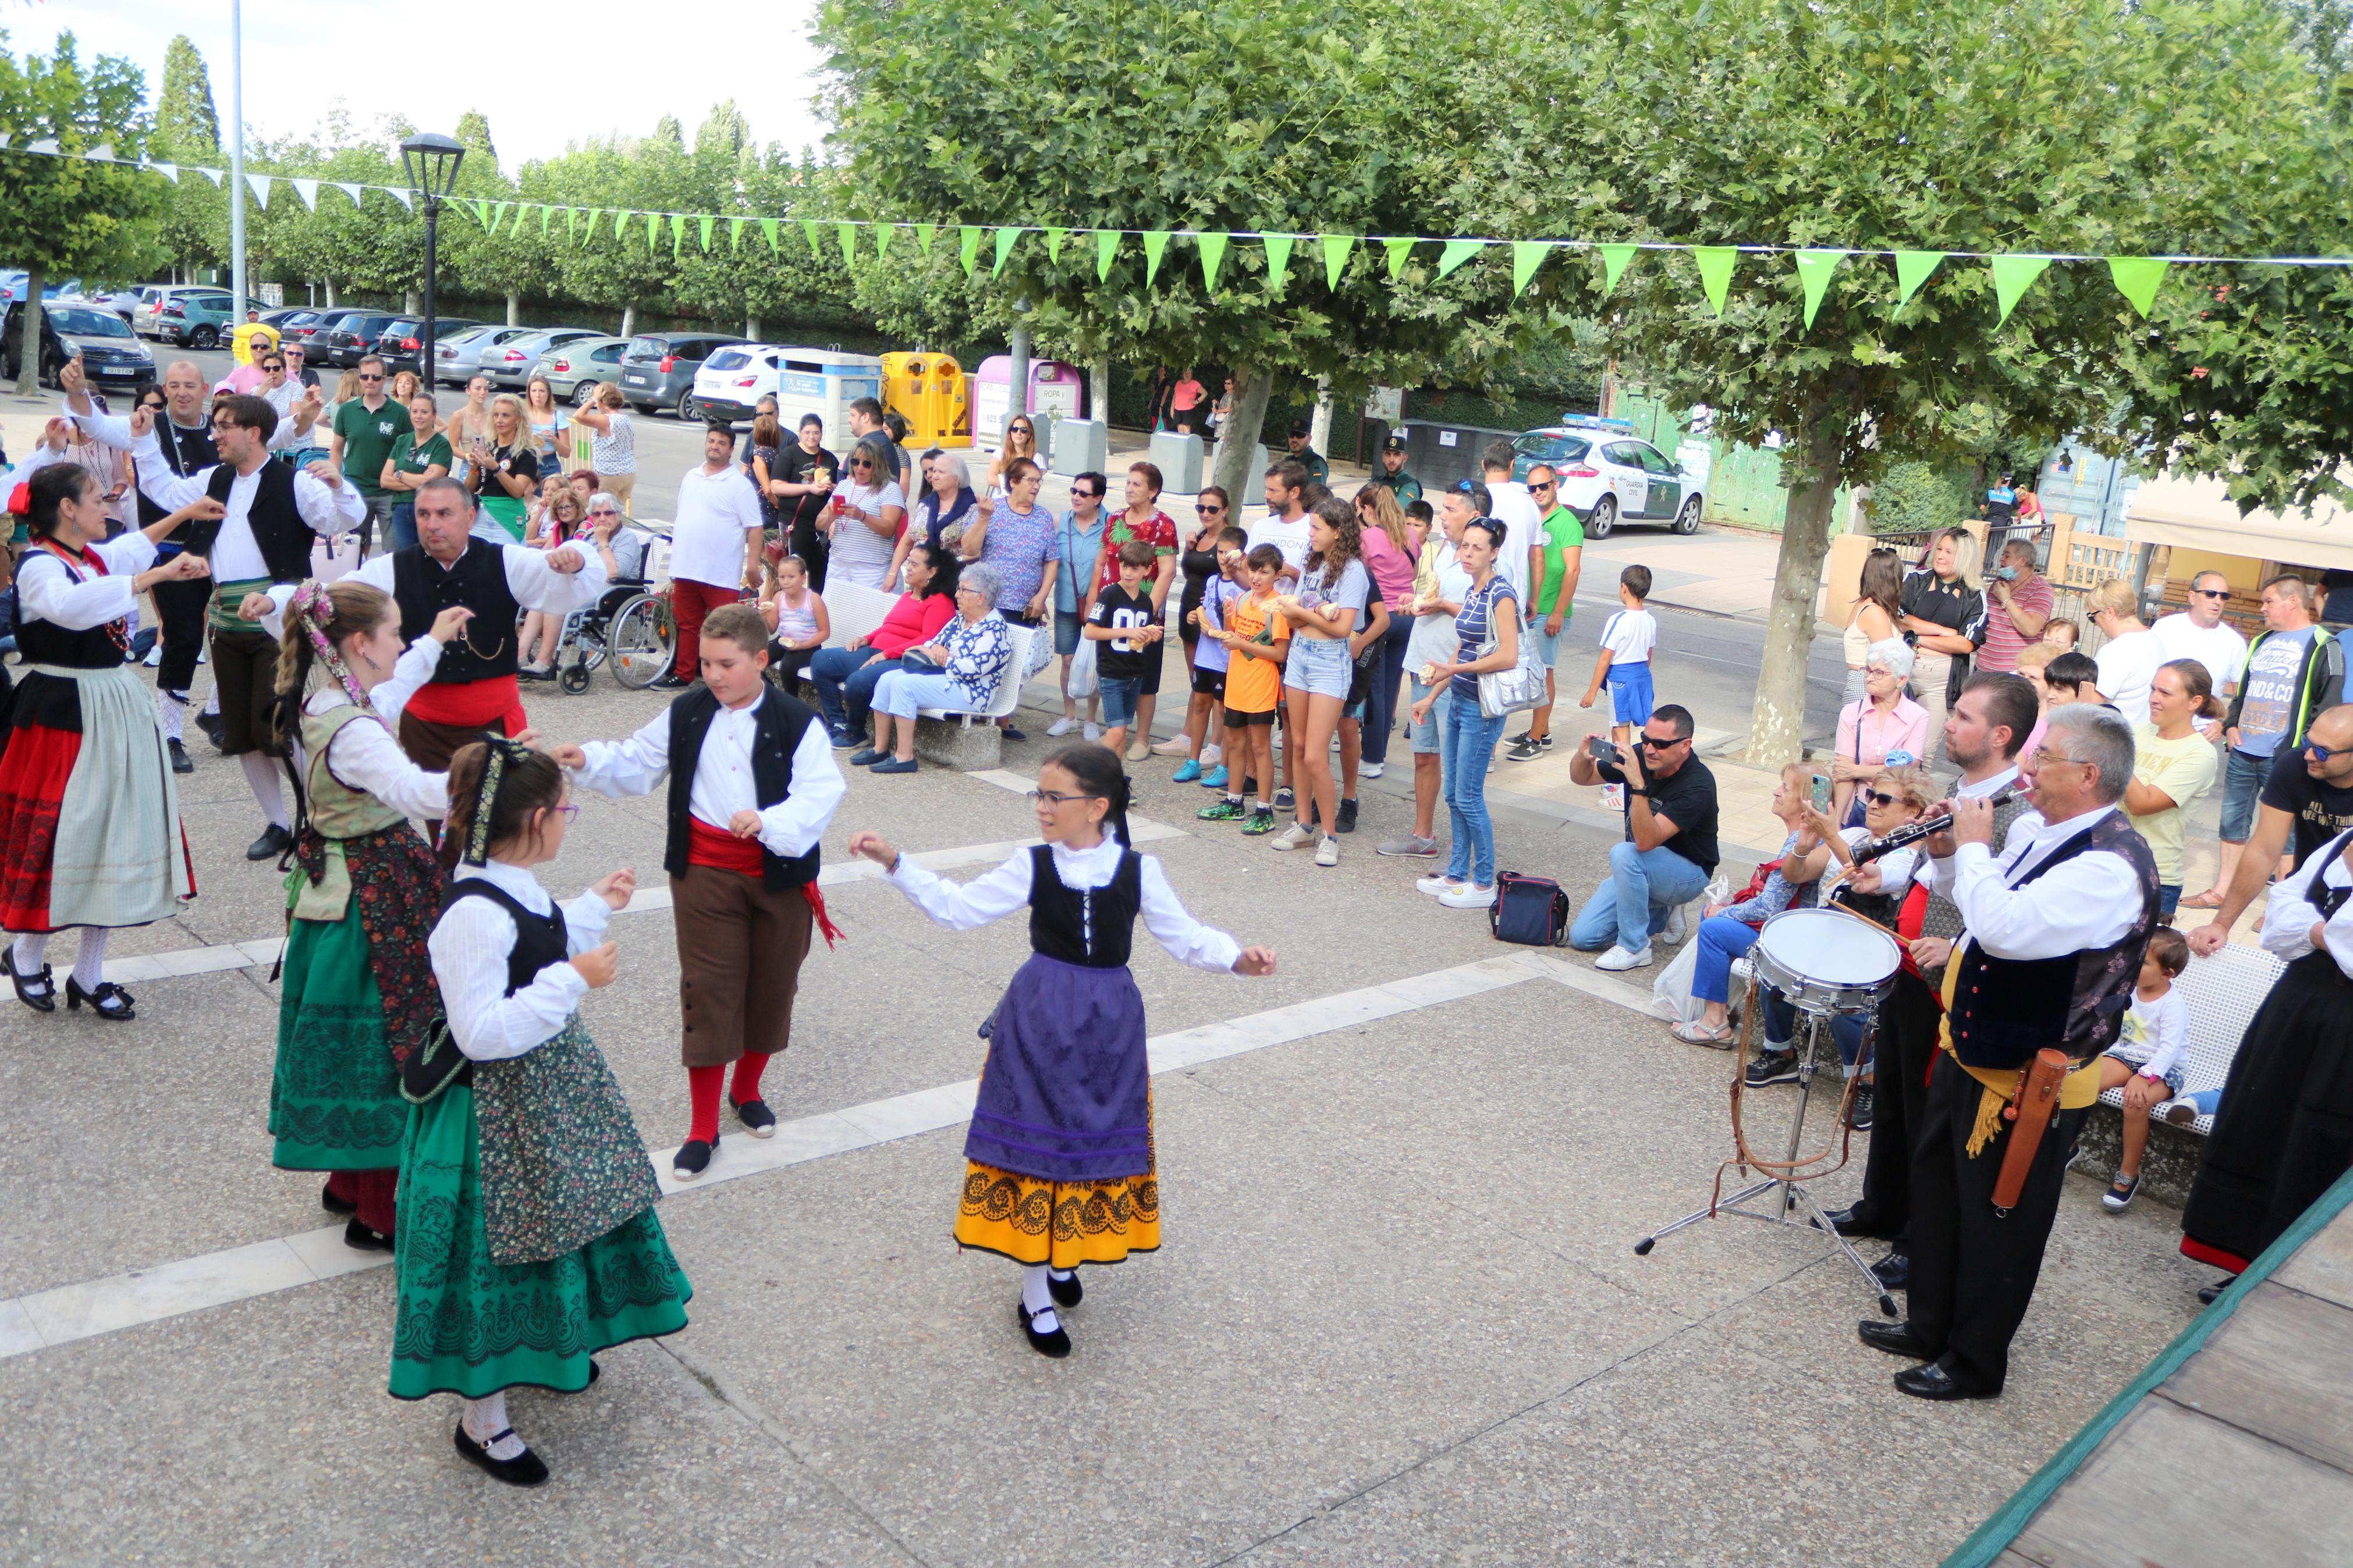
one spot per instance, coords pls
(1546, 449)
(727, 359)
(1658, 462)
(70, 323)
(1626, 454)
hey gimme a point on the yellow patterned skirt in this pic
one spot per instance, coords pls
(1060, 1224)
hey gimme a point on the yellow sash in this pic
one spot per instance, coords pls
(2076, 1091)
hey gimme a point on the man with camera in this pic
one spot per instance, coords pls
(1668, 852)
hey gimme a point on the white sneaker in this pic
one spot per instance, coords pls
(1676, 928)
(1618, 958)
(1435, 885)
(1297, 836)
(1469, 896)
(1175, 746)
(1328, 852)
(1371, 770)
(1094, 731)
(1062, 726)
(154, 659)
(1211, 756)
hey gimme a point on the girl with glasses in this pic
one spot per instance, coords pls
(1060, 1165)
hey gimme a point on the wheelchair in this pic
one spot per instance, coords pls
(630, 627)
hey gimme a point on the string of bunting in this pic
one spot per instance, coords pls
(2136, 277)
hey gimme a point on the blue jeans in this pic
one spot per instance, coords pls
(1721, 940)
(1388, 679)
(1120, 695)
(401, 532)
(1643, 885)
(1781, 1027)
(845, 684)
(2242, 788)
(1467, 745)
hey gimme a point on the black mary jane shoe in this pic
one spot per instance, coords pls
(109, 1001)
(525, 1469)
(1895, 1338)
(38, 991)
(274, 840)
(1056, 1344)
(757, 1118)
(1933, 1382)
(693, 1158)
(333, 1204)
(363, 1238)
(1066, 1292)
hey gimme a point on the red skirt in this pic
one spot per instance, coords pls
(33, 774)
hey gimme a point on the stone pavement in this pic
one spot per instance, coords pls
(1397, 1318)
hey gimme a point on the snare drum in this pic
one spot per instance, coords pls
(1825, 961)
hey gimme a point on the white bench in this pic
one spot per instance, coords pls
(855, 612)
(2223, 995)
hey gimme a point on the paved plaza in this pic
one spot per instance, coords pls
(1397, 1318)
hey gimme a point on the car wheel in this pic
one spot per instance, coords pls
(1687, 516)
(585, 393)
(647, 409)
(202, 338)
(686, 406)
(1605, 517)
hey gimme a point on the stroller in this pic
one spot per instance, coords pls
(630, 625)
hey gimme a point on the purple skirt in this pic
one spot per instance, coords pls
(1065, 1095)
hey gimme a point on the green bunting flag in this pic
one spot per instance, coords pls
(498, 216)
(810, 232)
(2012, 276)
(676, 235)
(1156, 243)
(735, 233)
(521, 209)
(970, 251)
(848, 236)
(925, 234)
(1912, 269)
(544, 214)
(481, 211)
(1715, 262)
(1614, 259)
(1006, 235)
(1527, 254)
(1278, 259)
(1457, 252)
(1337, 248)
(1054, 237)
(705, 224)
(882, 233)
(572, 224)
(1107, 246)
(1212, 247)
(768, 232)
(1398, 251)
(1814, 270)
(653, 231)
(2136, 279)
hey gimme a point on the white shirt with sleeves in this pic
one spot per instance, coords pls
(706, 536)
(723, 777)
(534, 584)
(2091, 900)
(471, 946)
(1629, 635)
(328, 508)
(1007, 888)
(2155, 1034)
(2289, 913)
(365, 757)
(46, 590)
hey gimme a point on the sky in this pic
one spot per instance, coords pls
(550, 74)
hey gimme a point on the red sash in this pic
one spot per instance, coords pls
(470, 704)
(720, 850)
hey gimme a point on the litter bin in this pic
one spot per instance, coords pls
(1080, 446)
(1183, 461)
(1056, 390)
(1440, 454)
(932, 394)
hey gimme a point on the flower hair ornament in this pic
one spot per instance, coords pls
(494, 772)
(311, 605)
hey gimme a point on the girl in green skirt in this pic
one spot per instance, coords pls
(527, 1238)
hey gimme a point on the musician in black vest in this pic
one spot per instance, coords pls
(752, 785)
(261, 552)
(473, 693)
(2053, 933)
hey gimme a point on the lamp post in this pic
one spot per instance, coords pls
(431, 162)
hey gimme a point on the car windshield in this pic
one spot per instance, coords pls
(643, 349)
(727, 359)
(86, 323)
(1551, 448)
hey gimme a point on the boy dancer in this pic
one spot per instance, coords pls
(752, 785)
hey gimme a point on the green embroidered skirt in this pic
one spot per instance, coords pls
(466, 1325)
(334, 1099)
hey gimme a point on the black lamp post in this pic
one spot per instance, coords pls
(431, 162)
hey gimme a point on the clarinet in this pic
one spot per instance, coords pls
(1912, 833)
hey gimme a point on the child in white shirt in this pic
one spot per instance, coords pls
(1624, 663)
(2148, 1057)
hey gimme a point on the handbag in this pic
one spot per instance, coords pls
(1530, 910)
(1513, 691)
(1856, 805)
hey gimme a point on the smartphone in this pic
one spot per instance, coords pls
(1599, 749)
(1821, 793)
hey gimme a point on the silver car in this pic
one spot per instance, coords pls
(510, 365)
(458, 359)
(576, 370)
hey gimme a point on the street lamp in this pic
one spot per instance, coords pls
(431, 162)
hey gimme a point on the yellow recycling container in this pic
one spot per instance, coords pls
(930, 393)
(249, 336)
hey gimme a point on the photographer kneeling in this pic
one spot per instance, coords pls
(1670, 849)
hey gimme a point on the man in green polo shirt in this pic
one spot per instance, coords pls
(365, 428)
(1392, 473)
(1556, 556)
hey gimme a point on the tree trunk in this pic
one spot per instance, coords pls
(1099, 392)
(514, 309)
(1254, 384)
(752, 328)
(1776, 732)
(331, 293)
(29, 337)
(410, 303)
(1319, 427)
(628, 318)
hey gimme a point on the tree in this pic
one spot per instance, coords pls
(187, 130)
(68, 216)
(1981, 125)
(742, 277)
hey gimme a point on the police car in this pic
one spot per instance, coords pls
(1609, 475)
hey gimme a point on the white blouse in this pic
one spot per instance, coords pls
(1007, 888)
(2288, 916)
(723, 777)
(364, 756)
(470, 948)
(46, 590)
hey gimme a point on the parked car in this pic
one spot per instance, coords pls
(398, 342)
(576, 370)
(196, 316)
(510, 365)
(731, 382)
(111, 355)
(275, 319)
(350, 338)
(658, 369)
(1609, 475)
(458, 359)
(121, 303)
(308, 331)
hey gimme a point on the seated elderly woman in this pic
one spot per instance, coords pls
(1883, 728)
(959, 672)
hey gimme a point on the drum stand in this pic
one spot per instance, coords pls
(1792, 1197)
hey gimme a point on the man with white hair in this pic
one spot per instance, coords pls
(2053, 931)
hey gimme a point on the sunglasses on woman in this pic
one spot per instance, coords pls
(1876, 798)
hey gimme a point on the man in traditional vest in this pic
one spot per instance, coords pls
(473, 693)
(2053, 933)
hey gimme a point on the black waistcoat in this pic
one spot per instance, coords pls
(781, 722)
(1092, 927)
(478, 581)
(539, 939)
(279, 530)
(46, 642)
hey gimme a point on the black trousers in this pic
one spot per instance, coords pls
(181, 608)
(1903, 1048)
(1973, 1271)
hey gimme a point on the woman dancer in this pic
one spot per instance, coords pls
(358, 990)
(528, 1240)
(89, 823)
(1059, 1164)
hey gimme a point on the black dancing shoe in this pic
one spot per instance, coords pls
(1895, 1338)
(274, 840)
(1894, 1272)
(2209, 1294)
(109, 1001)
(757, 1118)
(1056, 1344)
(210, 723)
(38, 991)
(363, 1238)
(525, 1469)
(180, 762)
(333, 1204)
(693, 1158)
(1933, 1382)
(1066, 1292)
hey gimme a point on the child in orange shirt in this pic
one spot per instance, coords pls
(1257, 638)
